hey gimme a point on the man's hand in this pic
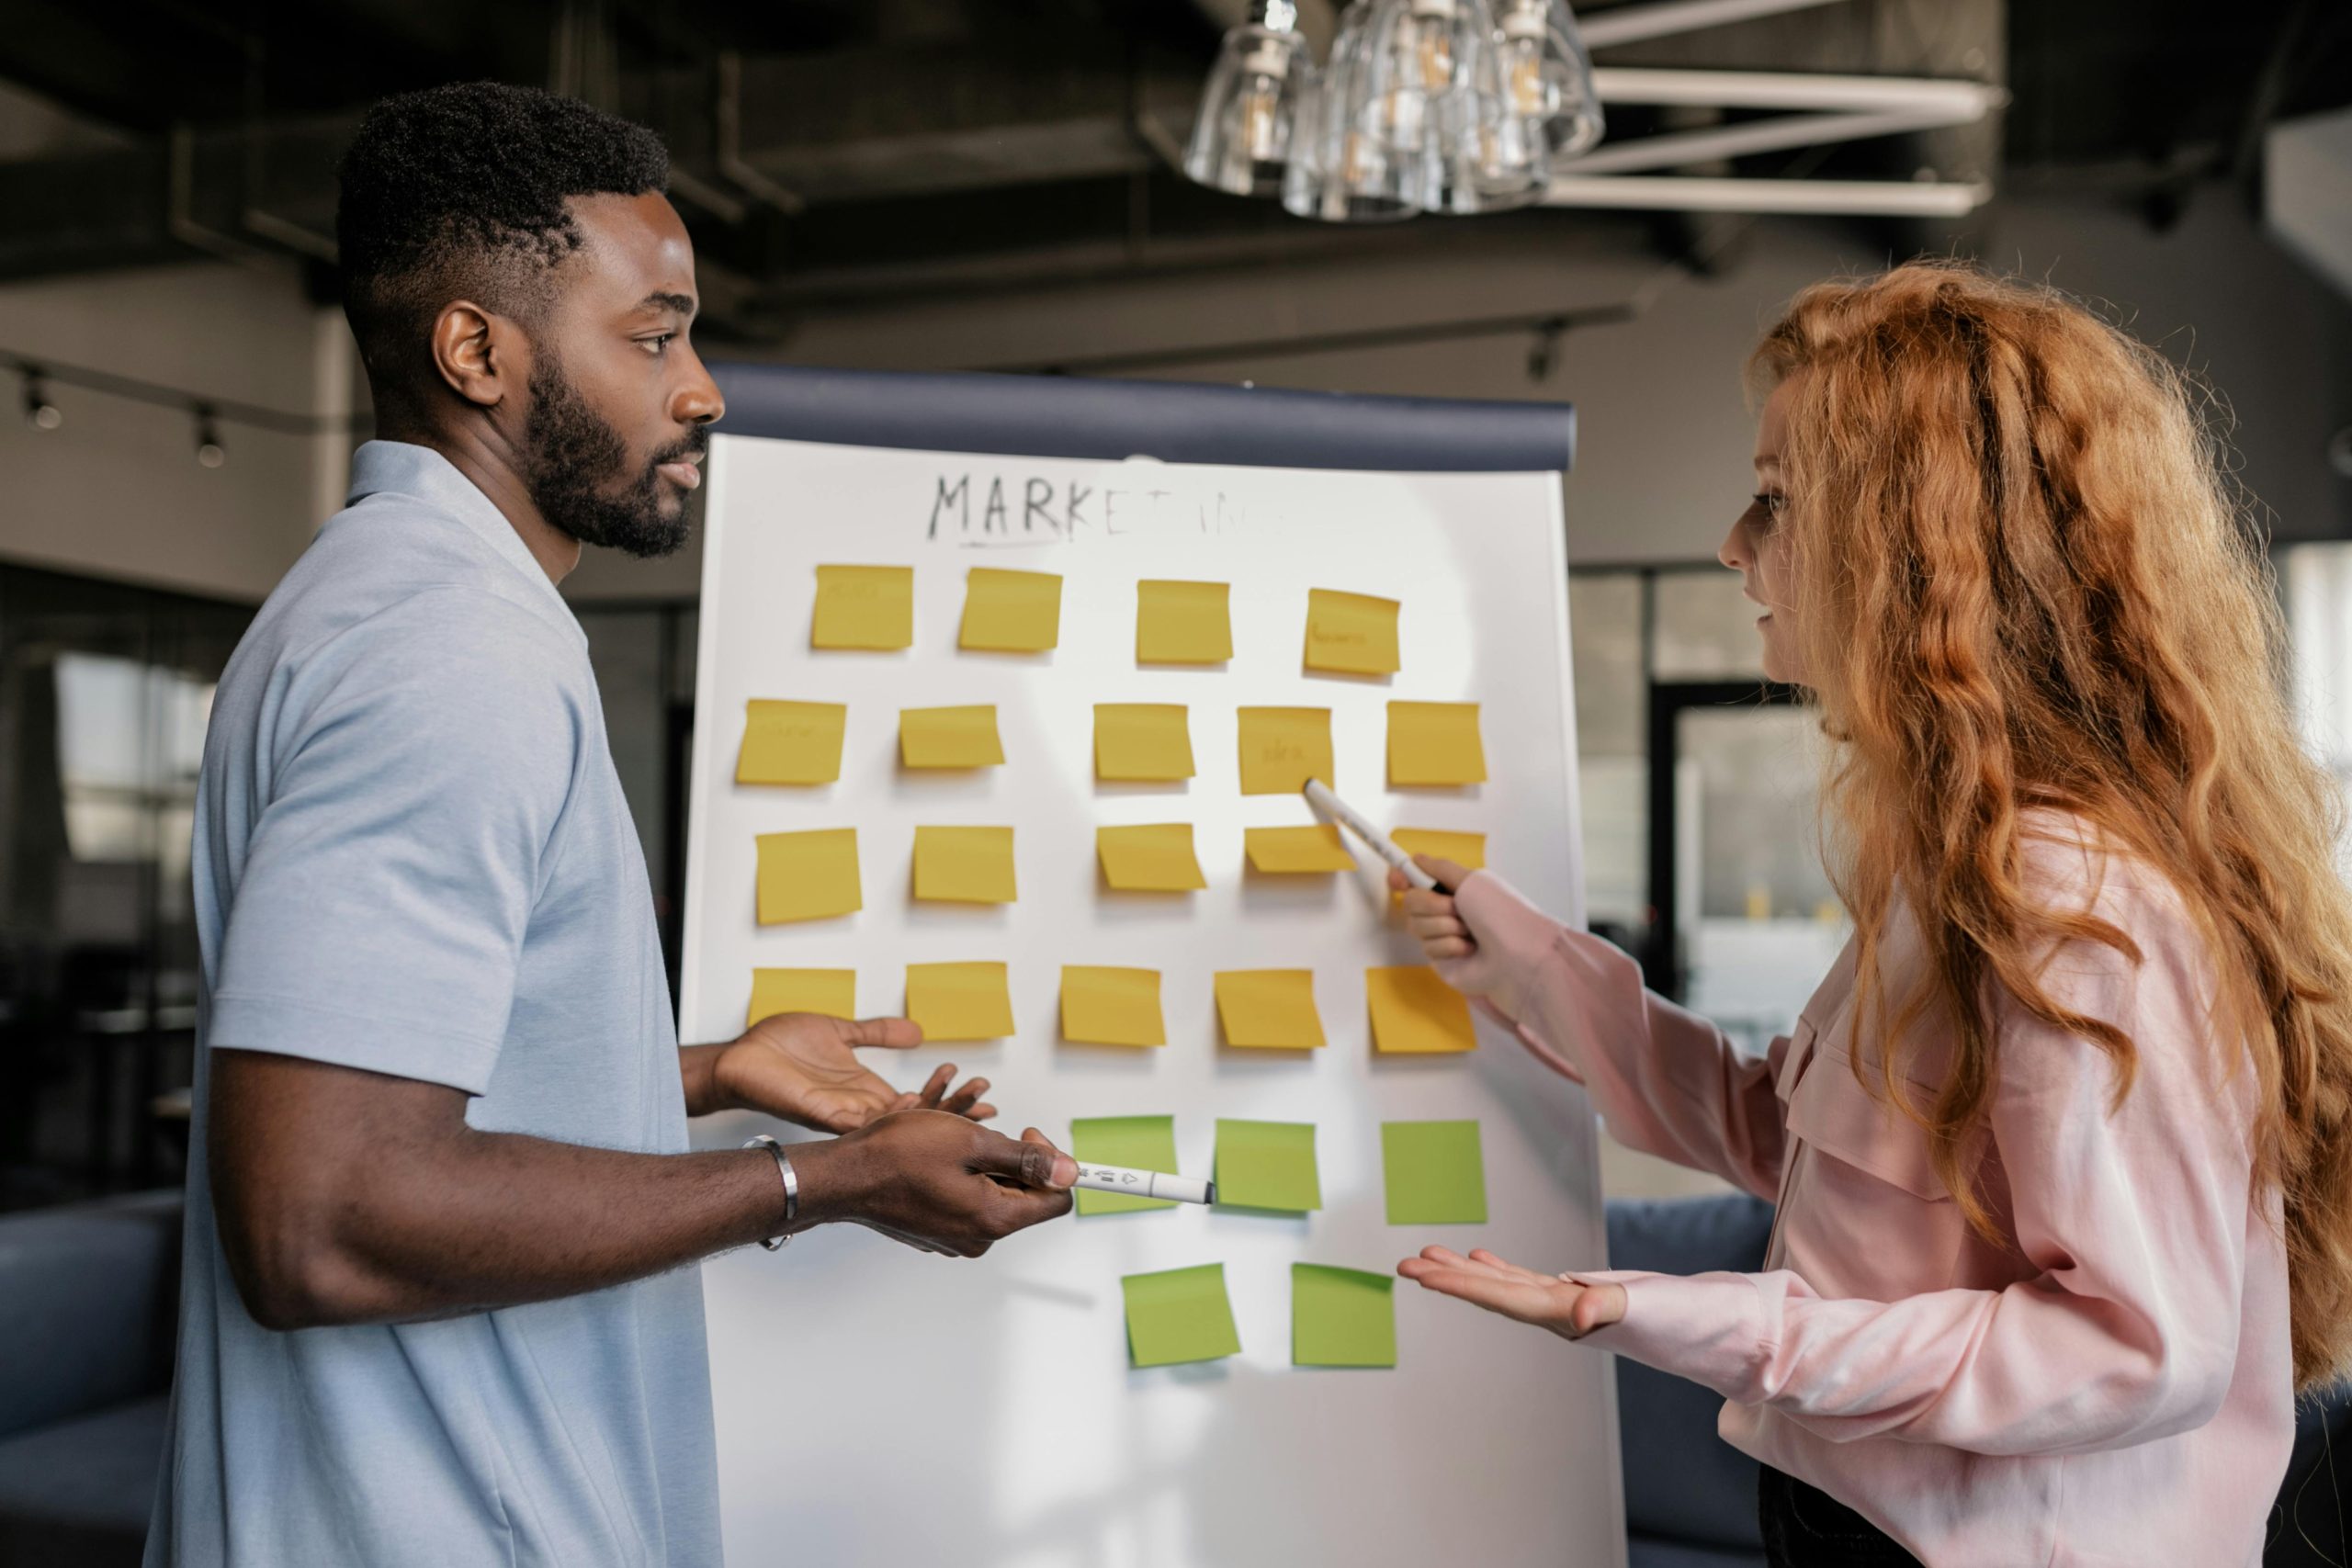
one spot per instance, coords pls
(1547, 1300)
(803, 1067)
(936, 1181)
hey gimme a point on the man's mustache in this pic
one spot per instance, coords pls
(694, 446)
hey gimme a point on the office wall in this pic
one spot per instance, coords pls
(115, 492)
(1665, 434)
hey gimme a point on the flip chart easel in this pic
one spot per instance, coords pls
(876, 1406)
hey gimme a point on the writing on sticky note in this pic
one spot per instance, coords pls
(1267, 1165)
(864, 607)
(1138, 1142)
(1283, 748)
(830, 992)
(1157, 858)
(807, 876)
(949, 738)
(1182, 622)
(1341, 1317)
(1434, 744)
(1010, 612)
(1434, 1172)
(1288, 852)
(1268, 1008)
(791, 743)
(963, 865)
(1108, 1006)
(1415, 1013)
(1142, 740)
(959, 1001)
(1352, 634)
(1179, 1315)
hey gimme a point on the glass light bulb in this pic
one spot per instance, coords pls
(1242, 136)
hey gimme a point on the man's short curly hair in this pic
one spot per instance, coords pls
(461, 191)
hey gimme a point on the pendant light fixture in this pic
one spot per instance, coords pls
(1244, 135)
(1426, 106)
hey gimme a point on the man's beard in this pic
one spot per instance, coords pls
(575, 457)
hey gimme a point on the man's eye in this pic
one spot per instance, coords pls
(657, 345)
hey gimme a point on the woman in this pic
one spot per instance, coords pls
(2059, 1146)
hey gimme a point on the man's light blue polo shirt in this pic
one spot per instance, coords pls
(411, 856)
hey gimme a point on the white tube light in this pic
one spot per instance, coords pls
(1879, 198)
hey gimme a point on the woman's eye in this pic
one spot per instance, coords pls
(1769, 502)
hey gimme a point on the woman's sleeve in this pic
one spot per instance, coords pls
(1665, 1081)
(2133, 1217)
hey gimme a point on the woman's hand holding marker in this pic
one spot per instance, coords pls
(1464, 956)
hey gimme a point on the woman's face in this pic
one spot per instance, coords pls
(1758, 545)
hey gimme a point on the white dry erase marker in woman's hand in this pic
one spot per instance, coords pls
(1318, 794)
(1146, 1183)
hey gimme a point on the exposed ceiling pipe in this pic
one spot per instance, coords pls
(1638, 24)
(728, 142)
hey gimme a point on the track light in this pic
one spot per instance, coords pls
(39, 412)
(209, 453)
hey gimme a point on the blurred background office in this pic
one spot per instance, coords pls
(1004, 184)
(962, 185)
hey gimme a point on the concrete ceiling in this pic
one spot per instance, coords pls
(836, 149)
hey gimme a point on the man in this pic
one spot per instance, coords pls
(437, 1309)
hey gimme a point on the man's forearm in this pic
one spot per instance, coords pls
(496, 1219)
(345, 1197)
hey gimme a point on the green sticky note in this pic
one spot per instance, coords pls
(1435, 1173)
(1139, 1143)
(1180, 1314)
(1267, 1165)
(1341, 1317)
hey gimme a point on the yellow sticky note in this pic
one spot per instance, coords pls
(1154, 859)
(1468, 851)
(863, 606)
(833, 992)
(963, 865)
(791, 743)
(959, 1001)
(1351, 632)
(1182, 622)
(1415, 1013)
(1283, 748)
(949, 738)
(807, 876)
(1434, 744)
(1142, 740)
(1010, 612)
(1271, 1008)
(1292, 850)
(1111, 1006)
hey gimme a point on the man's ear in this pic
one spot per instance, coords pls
(480, 354)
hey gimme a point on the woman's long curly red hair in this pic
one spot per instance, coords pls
(2020, 573)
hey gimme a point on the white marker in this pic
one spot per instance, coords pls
(1146, 1183)
(1319, 795)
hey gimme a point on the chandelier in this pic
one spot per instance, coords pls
(1424, 106)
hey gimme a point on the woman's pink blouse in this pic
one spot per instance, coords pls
(2112, 1385)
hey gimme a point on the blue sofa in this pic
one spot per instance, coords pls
(88, 1296)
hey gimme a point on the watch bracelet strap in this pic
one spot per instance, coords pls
(791, 1187)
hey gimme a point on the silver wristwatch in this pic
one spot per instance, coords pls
(791, 1187)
